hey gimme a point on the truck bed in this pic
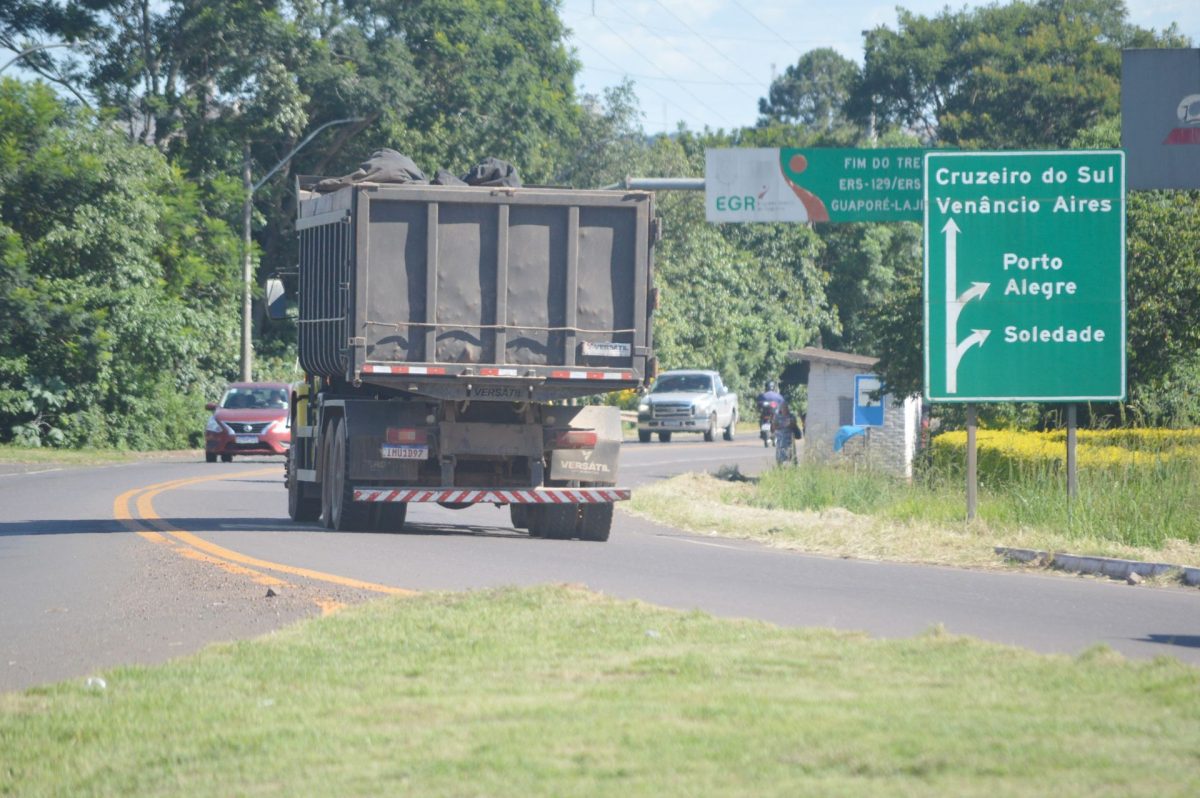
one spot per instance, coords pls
(488, 294)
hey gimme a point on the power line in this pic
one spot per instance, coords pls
(637, 25)
(673, 80)
(662, 96)
(764, 25)
(684, 89)
(706, 42)
(793, 44)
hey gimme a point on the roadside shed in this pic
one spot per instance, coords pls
(884, 433)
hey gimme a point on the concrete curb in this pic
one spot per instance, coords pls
(1108, 566)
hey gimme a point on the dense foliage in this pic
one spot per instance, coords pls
(115, 283)
(121, 172)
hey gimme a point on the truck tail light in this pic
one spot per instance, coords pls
(401, 435)
(575, 439)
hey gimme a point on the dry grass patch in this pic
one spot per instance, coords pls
(915, 528)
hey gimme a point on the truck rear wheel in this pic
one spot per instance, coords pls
(301, 508)
(341, 511)
(595, 522)
(519, 513)
(664, 437)
(390, 516)
(643, 436)
(553, 521)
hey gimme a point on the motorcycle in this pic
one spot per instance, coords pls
(766, 412)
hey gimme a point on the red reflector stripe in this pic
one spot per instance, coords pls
(494, 496)
(624, 376)
(376, 368)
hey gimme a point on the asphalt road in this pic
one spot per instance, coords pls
(143, 562)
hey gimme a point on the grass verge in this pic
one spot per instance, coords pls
(827, 510)
(557, 691)
(48, 457)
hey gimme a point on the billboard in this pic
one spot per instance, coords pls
(813, 185)
(1160, 118)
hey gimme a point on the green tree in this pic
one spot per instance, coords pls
(812, 92)
(864, 263)
(1001, 76)
(114, 284)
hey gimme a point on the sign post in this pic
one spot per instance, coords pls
(1024, 278)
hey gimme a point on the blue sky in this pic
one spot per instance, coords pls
(707, 62)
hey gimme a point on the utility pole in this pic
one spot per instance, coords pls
(249, 188)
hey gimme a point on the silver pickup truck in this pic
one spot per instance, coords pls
(687, 401)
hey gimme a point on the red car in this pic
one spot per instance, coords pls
(252, 418)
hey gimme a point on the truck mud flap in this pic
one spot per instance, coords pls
(493, 496)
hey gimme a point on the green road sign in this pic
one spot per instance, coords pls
(1024, 276)
(812, 185)
(855, 185)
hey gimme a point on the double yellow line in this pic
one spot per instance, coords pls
(135, 510)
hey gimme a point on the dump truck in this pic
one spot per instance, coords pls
(447, 336)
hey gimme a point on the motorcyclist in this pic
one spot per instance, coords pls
(767, 401)
(769, 395)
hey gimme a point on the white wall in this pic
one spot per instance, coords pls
(890, 447)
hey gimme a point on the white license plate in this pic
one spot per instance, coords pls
(765, 428)
(247, 439)
(391, 451)
(672, 423)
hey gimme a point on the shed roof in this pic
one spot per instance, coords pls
(812, 354)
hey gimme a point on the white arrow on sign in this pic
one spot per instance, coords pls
(976, 337)
(954, 306)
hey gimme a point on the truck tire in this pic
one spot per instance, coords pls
(519, 513)
(664, 437)
(210, 457)
(390, 516)
(301, 508)
(710, 434)
(553, 521)
(595, 522)
(343, 513)
(731, 430)
(643, 436)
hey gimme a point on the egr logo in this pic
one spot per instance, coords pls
(734, 202)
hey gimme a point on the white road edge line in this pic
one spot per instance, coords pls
(30, 473)
(700, 542)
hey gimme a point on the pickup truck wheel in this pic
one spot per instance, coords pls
(710, 434)
(595, 522)
(345, 515)
(210, 457)
(301, 508)
(643, 436)
(554, 521)
(226, 458)
(664, 437)
(732, 428)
